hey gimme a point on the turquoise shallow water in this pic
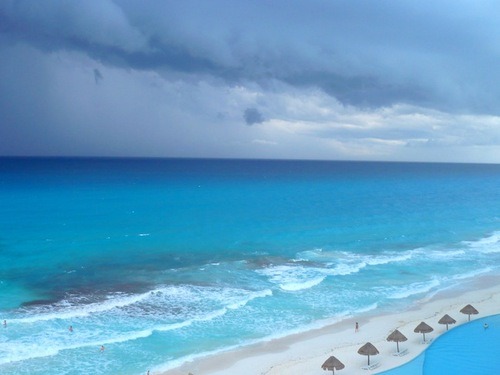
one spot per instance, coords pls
(468, 348)
(165, 260)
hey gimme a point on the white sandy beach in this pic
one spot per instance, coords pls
(304, 353)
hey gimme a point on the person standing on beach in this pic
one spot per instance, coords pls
(356, 329)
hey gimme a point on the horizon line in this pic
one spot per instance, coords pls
(93, 157)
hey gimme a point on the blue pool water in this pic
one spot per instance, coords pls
(162, 261)
(468, 348)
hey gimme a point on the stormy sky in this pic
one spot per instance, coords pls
(329, 79)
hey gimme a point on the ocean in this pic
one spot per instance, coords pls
(165, 260)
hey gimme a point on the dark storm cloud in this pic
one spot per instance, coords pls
(253, 116)
(335, 79)
(102, 30)
(363, 53)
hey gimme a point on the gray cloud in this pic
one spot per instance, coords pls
(365, 54)
(253, 116)
(179, 75)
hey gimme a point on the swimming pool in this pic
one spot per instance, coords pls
(469, 348)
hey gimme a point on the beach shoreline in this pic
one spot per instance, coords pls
(304, 353)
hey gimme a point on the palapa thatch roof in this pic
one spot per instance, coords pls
(469, 309)
(423, 328)
(368, 349)
(446, 319)
(332, 363)
(396, 336)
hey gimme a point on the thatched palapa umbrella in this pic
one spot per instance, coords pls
(469, 309)
(423, 328)
(332, 364)
(368, 349)
(397, 337)
(446, 319)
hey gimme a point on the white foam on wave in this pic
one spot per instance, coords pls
(346, 257)
(216, 313)
(367, 308)
(413, 289)
(186, 323)
(440, 254)
(15, 353)
(250, 297)
(70, 310)
(239, 303)
(432, 253)
(310, 268)
(20, 351)
(487, 245)
(344, 269)
(446, 254)
(388, 258)
(310, 255)
(343, 263)
(454, 280)
(74, 308)
(293, 277)
(172, 364)
(50, 341)
(293, 287)
(359, 262)
(471, 274)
